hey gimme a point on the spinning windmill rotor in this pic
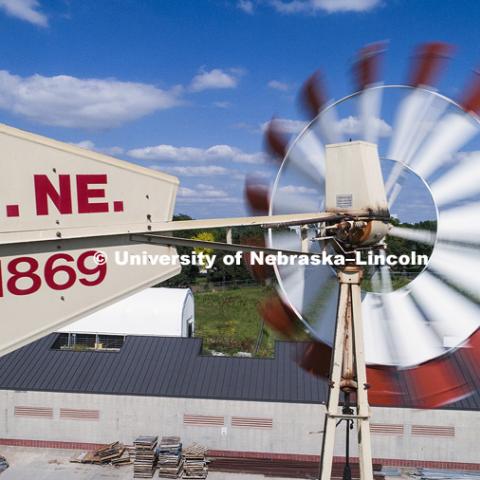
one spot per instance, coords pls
(421, 332)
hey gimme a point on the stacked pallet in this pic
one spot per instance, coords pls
(194, 462)
(170, 457)
(145, 456)
(115, 453)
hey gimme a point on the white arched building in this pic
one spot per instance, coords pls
(160, 312)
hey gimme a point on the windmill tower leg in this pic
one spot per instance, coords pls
(348, 374)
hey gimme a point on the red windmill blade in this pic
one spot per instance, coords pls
(276, 142)
(366, 66)
(471, 99)
(316, 358)
(312, 96)
(259, 272)
(257, 195)
(427, 63)
(279, 316)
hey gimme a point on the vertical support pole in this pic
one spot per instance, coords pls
(363, 409)
(348, 373)
(328, 442)
(229, 236)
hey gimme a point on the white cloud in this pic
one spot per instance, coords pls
(296, 189)
(216, 152)
(222, 104)
(195, 171)
(214, 79)
(277, 85)
(25, 10)
(246, 6)
(89, 145)
(286, 125)
(202, 191)
(351, 126)
(328, 6)
(67, 101)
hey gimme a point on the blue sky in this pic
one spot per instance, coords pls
(185, 85)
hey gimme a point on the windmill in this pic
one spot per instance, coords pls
(404, 340)
(65, 212)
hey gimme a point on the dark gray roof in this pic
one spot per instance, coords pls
(161, 366)
(168, 367)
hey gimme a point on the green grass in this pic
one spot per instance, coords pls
(229, 322)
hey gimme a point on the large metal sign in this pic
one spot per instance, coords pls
(65, 215)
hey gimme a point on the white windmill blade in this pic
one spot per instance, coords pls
(414, 341)
(308, 157)
(386, 279)
(293, 286)
(458, 183)
(416, 235)
(457, 224)
(327, 126)
(288, 201)
(369, 105)
(415, 118)
(378, 349)
(459, 265)
(453, 131)
(441, 305)
(322, 319)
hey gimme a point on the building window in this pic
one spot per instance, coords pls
(87, 342)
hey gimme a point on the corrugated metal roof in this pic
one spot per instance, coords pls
(168, 367)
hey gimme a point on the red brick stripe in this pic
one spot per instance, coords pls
(393, 462)
(18, 442)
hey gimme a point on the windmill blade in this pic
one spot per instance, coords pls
(278, 316)
(459, 265)
(369, 106)
(365, 71)
(376, 332)
(414, 342)
(416, 235)
(320, 305)
(385, 388)
(366, 65)
(257, 195)
(308, 158)
(313, 101)
(437, 382)
(428, 60)
(416, 117)
(276, 142)
(313, 98)
(291, 202)
(458, 183)
(453, 131)
(455, 224)
(316, 358)
(441, 304)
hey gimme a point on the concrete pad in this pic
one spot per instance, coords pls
(54, 464)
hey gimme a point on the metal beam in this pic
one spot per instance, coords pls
(231, 247)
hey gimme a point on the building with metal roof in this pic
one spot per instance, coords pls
(55, 395)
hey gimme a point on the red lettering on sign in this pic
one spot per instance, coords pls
(26, 276)
(44, 190)
(85, 193)
(13, 211)
(18, 274)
